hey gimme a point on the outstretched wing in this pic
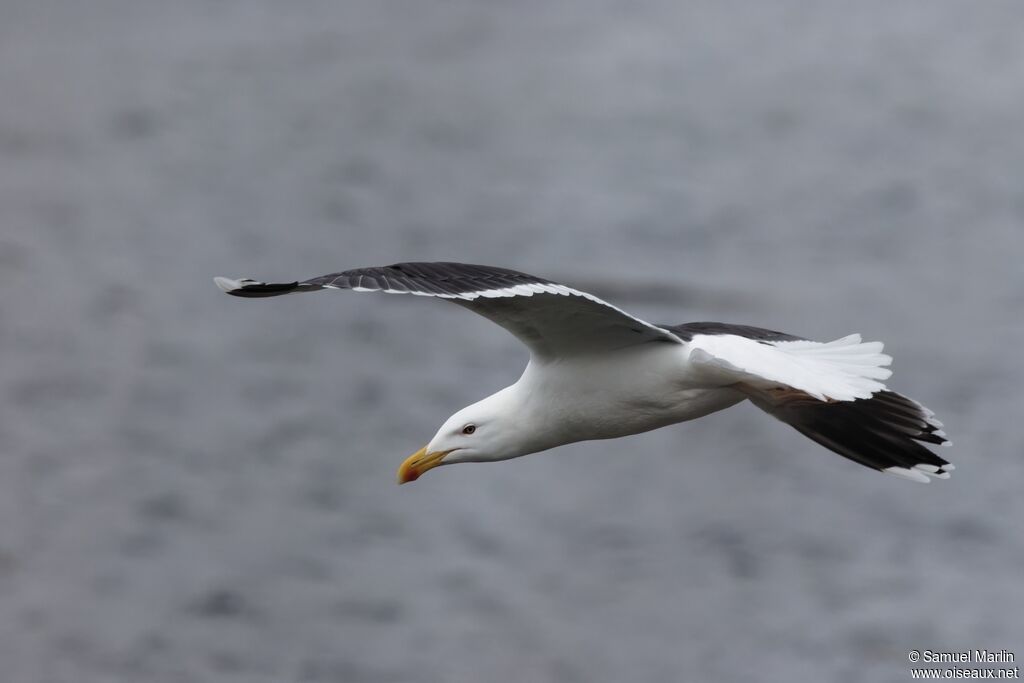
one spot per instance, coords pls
(551, 319)
(840, 370)
(832, 393)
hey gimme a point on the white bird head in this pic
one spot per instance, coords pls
(482, 432)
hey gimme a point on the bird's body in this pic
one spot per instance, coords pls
(596, 372)
(655, 385)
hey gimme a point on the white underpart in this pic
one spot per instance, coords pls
(842, 370)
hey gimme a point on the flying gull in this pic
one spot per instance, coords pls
(597, 372)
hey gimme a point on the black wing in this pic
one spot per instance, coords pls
(551, 319)
(885, 432)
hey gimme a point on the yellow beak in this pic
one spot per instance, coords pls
(418, 463)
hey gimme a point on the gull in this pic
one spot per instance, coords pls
(597, 372)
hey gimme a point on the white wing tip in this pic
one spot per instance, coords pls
(907, 473)
(227, 285)
(922, 472)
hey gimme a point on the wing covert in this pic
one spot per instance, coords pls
(840, 370)
(551, 319)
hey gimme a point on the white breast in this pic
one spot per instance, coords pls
(608, 395)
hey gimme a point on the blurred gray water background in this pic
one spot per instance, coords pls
(198, 488)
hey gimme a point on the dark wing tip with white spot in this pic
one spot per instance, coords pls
(885, 432)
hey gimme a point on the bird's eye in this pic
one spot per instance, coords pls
(469, 429)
